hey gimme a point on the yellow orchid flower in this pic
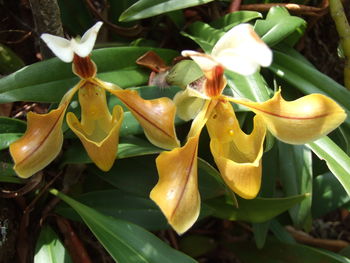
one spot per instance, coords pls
(237, 154)
(98, 129)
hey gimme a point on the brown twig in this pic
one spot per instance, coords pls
(25, 35)
(122, 31)
(32, 184)
(329, 244)
(234, 6)
(293, 8)
(173, 239)
(72, 242)
(23, 243)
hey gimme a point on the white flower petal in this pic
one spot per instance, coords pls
(87, 42)
(242, 43)
(237, 63)
(60, 46)
(204, 61)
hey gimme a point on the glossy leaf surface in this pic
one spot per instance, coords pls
(138, 210)
(256, 210)
(49, 248)
(278, 25)
(50, 79)
(124, 241)
(337, 160)
(147, 8)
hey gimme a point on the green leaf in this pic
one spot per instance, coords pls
(278, 25)
(128, 147)
(210, 182)
(10, 131)
(124, 241)
(268, 185)
(260, 231)
(8, 125)
(49, 80)
(328, 195)
(337, 161)
(7, 138)
(138, 210)
(307, 79)
(280, 232)
(8, 175)
(147, 8)
(9, 61)
(252, 87)
(139, 175)
(204, 35)
(49, 248)
(257, 210)
(279, 252)
(230, 20)
(296, 176)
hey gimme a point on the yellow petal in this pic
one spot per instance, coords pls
(176, 192)
(42, 140)
(155, 116)
(299, 121)
(237, 155)
(187, 106)
(98, 129)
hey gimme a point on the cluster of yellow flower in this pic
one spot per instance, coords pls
(237, 155)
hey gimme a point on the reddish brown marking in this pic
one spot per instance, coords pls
(42, 141)
(142, 116)
(215, 84)
(84, 67)
(186, 181)
(287, 117)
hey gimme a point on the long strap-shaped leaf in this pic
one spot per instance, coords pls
(337, 160)
(125, 242)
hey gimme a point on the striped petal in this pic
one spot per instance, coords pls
(98, 129)
(299, 121)
(176, 192)
(42, 140)
(155, 116)
(237, 155)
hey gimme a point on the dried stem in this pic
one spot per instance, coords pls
(294, 8)
(343, 28)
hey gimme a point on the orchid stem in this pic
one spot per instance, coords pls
(343, 28)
